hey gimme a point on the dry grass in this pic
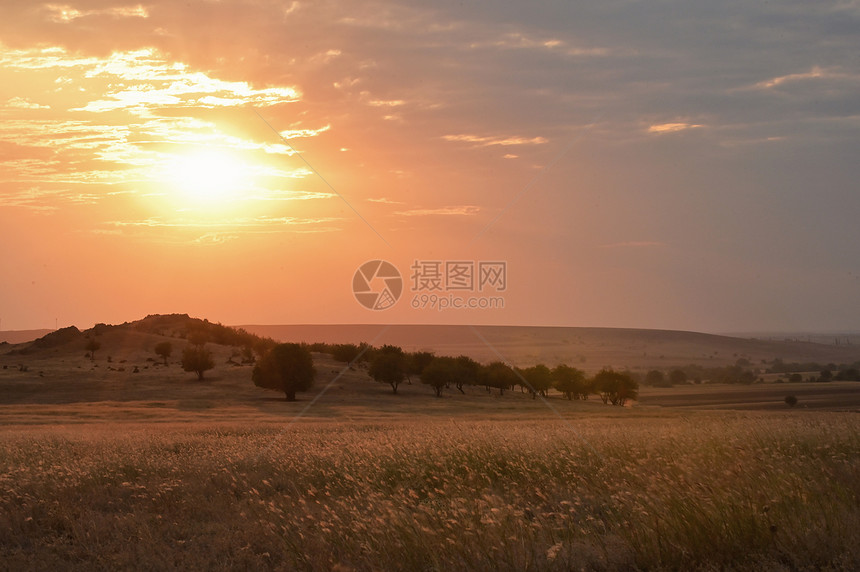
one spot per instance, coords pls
(699, 490)
(108, 469)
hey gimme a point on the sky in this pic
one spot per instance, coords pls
(670, 164)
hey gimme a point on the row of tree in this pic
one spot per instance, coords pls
(391, 365)
(740, 374)
(289, 368)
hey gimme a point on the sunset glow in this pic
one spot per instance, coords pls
(209, 178)
(292, 142)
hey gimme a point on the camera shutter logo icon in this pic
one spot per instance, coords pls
(377, 285)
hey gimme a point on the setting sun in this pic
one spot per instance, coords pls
(209, 178)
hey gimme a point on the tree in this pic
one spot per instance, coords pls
(247, 354)
(850, 374)
(570, 381)
(538, 379)
(616, 387)
(346, 353)
(262, 346)
(92, 345)
(417, 361)
(198, 337)
(790, 400)
(677, 377)
(499, 375)
(388, 366)
(468, 372)
(197, 359)
(286, 367)
(747, 377)
(439, 373)
(443, 371)
(655, 378)
(164, 349)
(826, 375)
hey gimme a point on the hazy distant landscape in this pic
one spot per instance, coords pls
(587, 348)
(56, 369)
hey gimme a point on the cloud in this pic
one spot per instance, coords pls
(302, 133)
(64, 13)
(634, 244)
(24, 103)
(815, 73)
(160, 84)
(48, 200)
(386, 103)
(143, 80)
(487, 141)
(252, 223)
(214, 230)
(522, 41)
(384, 201)
(661, 128)
(463, 210)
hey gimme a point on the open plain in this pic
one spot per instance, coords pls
(103, 468)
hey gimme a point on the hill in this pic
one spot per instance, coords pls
(21, 336)
(140, 335)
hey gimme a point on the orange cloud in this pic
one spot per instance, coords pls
(660, 128)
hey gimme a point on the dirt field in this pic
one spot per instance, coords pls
(831, 396)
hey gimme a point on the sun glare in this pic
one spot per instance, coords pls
(209, 178)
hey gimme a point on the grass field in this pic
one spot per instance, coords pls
(701, 490)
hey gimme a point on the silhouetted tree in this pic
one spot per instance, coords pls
(468, 372)
(790, 400)
(164, 349)
(499, 375)
(826, 375)
(262, 345)
(346, 353)
(615, 387)
(570, 381)
(655, 378)
(443, 371)
(286, 367)
(538, 379)
(197, 359)
(92, 346)
(439, 373)
(416, 362)
(677, 377)
(849, 374)
(198, 337)
(388, 366)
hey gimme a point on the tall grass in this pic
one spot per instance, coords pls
(696, 492)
